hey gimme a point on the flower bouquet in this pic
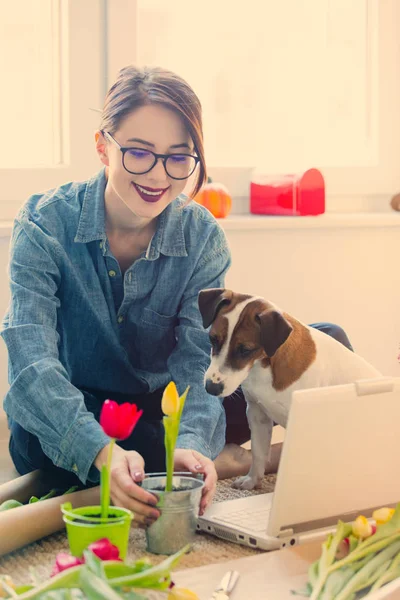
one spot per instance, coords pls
(357, 559)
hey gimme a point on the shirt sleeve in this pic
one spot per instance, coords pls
(41, 397)
(203, 422)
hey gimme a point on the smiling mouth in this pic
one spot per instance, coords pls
(149, 194)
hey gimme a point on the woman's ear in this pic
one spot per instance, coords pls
(101, 147)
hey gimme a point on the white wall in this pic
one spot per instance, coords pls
(345, 271)
(348, 275)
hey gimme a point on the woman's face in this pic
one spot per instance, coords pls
(154, 128)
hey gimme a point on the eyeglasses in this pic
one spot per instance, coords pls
(139, 161)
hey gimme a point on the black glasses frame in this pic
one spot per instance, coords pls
(157, 157)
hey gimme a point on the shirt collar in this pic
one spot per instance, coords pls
(169, 238)
(92, 220)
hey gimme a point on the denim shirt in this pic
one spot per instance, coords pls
(75, 321)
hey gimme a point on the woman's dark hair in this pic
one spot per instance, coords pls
(136, 87)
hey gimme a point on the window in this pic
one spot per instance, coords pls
(52, 64)
(286, 85)
(31, 30)
(277, 80)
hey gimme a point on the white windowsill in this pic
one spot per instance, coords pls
(325, 221)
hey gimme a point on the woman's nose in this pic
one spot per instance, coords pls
(158, 172)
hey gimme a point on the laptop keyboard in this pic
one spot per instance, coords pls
(255, 521)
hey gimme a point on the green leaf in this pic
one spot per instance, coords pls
(183, 400)
(392, 573)
(70, 490)
(96, 588)
(8, 504)
(365, 573)
(94, 564)
(119, 569)
(335, 582)
(132, 595)
(51, 494)
(157, 577)
(63, 594)
(328, 554)
(313, 573)
(21, 589)
(66, 579)
(354, 542)
(374, 576)
(305, 592)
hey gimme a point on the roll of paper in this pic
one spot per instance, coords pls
(22, 488)
(31, 522)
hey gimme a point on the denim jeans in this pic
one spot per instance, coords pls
(148, 435)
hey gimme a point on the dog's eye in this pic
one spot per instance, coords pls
(244, 350)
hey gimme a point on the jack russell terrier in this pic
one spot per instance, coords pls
(270, 354)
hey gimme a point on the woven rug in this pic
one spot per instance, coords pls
(207, 549)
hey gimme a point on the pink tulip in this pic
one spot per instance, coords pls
(65, 561)
(105, 550)
(119, 420)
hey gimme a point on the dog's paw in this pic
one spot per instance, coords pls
(246, 483)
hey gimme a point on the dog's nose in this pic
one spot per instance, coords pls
(215, 389)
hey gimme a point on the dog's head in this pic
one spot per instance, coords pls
(244, 329)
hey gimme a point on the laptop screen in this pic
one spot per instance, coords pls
(341, 455)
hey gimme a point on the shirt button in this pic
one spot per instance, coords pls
(75, 468)
(112, 273)
(120, 319)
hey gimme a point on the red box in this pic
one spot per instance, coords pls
(289, 194)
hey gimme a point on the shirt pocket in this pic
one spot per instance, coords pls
(156, 339)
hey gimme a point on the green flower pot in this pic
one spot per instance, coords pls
(84, 526)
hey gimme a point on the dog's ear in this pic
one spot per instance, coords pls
(275, 330)
(210, 301)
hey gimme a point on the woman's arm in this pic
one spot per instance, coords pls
(203, 419)
(41, 396)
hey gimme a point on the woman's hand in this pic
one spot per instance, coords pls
(190, 460)
(127, 469)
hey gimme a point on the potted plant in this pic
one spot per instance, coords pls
(179, 494)
(89, 524)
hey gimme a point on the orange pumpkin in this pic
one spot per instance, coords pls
(216, 198)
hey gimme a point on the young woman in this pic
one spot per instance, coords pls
(104, 280)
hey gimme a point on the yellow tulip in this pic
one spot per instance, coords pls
(182, 594)
(382, 515)
(362, 528)
(170, 403)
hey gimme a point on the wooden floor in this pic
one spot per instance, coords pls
(7, 470)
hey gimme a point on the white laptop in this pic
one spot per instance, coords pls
(340, 458)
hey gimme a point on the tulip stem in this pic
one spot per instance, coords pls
(105, 482)
(171, 430)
